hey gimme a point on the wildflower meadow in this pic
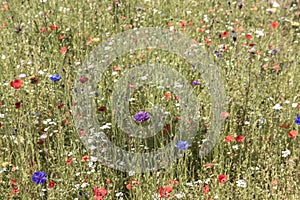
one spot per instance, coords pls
(149, 99)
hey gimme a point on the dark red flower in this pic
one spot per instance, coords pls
(18, 104)
(240, 138)
(83, 79)
(101, 108)
(16, 84)
(167, 128)
(51, 184)
(285, 126)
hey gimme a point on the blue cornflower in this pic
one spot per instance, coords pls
(55, 77)
(297, 120)
(39, 177)
(141, 116)
(182, 145)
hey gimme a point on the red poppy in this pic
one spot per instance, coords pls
(201, 29)
(225, 34)
(265, 67)
(190, 23)
(229, 138)
(43, 30)
(69, 161)
(53, 27)
(224, 115)
(128, 186)
(133, 183)
(99, 193)
(240, 138)
(85, 158)
(208, 41)
(13, 182)
(292, 134)
(205, 189)
(222, 178)
(15, 190)
(61, 37)
(209, 165)
(182, 23)
(16, 84)
(116, 68)
(276, 67)
(51, 184)
(81, 133)
(63, 50)
(164, 191)
(274, 25)
(168, 95)
(174, 182)
(248, 36)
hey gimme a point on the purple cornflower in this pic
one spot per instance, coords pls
(240, 5)
(297, 120)
(196, 82)
(141, 116)
(182, 145)
(39, 177)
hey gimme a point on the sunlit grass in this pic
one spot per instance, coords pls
(30, 47)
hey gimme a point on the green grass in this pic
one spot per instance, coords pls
(251, 90)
